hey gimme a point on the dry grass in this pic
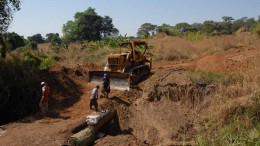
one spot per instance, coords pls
(78, 55)
(232, 117)
(164, 48)
(175, 48)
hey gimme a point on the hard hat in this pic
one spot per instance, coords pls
(42, 83)
(105, 75)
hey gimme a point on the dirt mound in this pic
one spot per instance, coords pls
(176, 86)
(65, 84)
(164, 113)
(232, 60)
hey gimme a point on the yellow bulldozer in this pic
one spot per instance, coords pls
(126, 68)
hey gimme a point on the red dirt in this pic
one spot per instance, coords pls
(143, 120)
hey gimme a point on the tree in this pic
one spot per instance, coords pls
(108, 27)
(36, 38)
(2, 47)
(197, 26)
(88, 25)
(7, 7)
(250, 23)
(226, 26)
(182, 26)
(146, 30)
(115, 32)
(227, 19)
(142, 33)
(49, 36)
(31, 44)
(56, 41)
(237, 24)
(164, 28)
(209, 26)
(13, 41)
(70, 32)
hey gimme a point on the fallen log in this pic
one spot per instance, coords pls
(86, 136)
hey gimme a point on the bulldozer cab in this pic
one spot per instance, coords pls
(136, 50)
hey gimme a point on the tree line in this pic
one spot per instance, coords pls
(89, 26)
(86, 26)
(227, 26)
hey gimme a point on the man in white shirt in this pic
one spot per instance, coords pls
(94, 97)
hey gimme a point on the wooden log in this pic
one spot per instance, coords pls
(86, 136)
(103, 121)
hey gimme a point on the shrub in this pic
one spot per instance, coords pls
(31, 45)
(18, 93)
(47, 62)
(13, 41)
(194, 36)
(31, 59)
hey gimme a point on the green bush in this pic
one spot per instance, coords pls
(31, 45)
(194, 36)
(46, 63)
(37, 60)
(106, 42)
(31, 59)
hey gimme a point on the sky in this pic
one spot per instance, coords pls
(48, 16)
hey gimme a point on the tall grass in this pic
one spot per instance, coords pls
(216, 78)
(234, 118)
(176, 48)
(240, 127)
(257, 29)
(76, 55)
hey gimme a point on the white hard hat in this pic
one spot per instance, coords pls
(42, 83)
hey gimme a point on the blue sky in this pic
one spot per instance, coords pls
(48, 16)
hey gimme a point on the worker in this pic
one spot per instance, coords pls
(44, 99)
(106, 86)
(94, 97)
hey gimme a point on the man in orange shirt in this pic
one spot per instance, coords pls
(44, 100)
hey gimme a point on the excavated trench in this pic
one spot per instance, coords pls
(161, 111)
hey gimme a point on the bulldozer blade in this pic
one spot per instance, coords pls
(118, 81)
